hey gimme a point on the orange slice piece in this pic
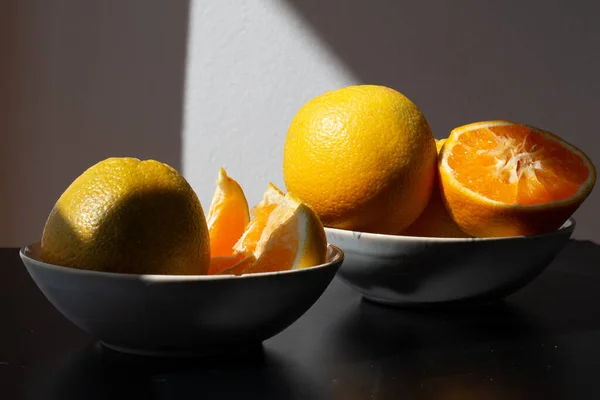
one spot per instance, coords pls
(227, 217)
(230, 264)
(435, 221)
(260, 216)
(439, 143)
(284, 234)
(500, 178)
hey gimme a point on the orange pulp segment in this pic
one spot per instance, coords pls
(284, 234)
(228, 216)
(260, 215)
(235, 264)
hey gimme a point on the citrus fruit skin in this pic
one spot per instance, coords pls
(435, 221)
(363, 157)
(554, 178)
(128, 216)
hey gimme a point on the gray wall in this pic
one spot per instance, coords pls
(84, 80)
(533, 61)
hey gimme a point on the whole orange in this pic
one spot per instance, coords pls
(363, 157)
(129, 216)
(435, 221)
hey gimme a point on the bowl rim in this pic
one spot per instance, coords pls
(568, 226)
(336, 257)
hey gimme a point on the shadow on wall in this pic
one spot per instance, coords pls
(84, 81)
(533, 62)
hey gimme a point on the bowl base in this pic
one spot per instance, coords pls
(468, 303)
(182, 353)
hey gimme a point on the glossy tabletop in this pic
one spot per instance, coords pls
(540, 343)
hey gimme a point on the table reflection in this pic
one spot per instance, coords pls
(96, 372)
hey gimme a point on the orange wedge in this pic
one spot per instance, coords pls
(435, 221)
(284, 234)
(439, 143)
(260, 216)
(227, 217)
(501, 178)
(229, 264)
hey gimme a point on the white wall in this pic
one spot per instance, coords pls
(81, 81)
(251, 66)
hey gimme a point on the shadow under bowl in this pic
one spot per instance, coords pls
(172, 315)
(421, 271)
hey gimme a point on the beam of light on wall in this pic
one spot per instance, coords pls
(251, 66)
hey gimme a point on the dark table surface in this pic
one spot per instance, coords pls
(540, 343)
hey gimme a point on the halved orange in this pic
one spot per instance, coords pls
(284, 234)
(501, 178)
(227, 217)
(435, 221)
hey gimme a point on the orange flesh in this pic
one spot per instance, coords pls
(256, 227)
(514, 165)
(226, 233)
(219, 264)
(278, 237)
(238, 268)
(278, 254)
(272, 240)
(227, 217)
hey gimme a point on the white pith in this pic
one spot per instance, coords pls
(302, 235)
(217, 197)
(286, 209)
(271, 196)
(513, 160)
